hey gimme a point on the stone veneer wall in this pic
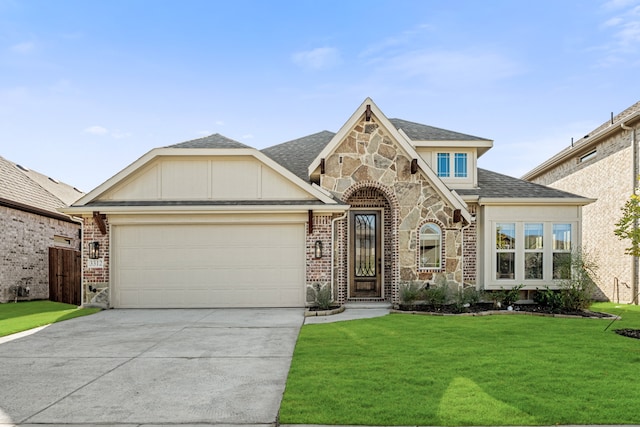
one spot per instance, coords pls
(369, 158)
(95, 277)
(26, 239)
(607, 178)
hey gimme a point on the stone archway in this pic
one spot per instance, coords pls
(371, 196)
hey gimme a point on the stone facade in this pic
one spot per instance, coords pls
(608, 177)
(26, 239)
(369, 169)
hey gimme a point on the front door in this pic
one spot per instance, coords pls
(366, 261)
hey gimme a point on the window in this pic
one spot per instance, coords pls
(443, 165)
(506, 250)
(430, 246)
(561, 251)
(460, 165)
(456, 162)
(588, 156)
(533, 251)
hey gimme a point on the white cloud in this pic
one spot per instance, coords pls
(461, 67)
(23, 48)
(317, 59)
(96, 130)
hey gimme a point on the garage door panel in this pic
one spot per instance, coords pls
(209, 265)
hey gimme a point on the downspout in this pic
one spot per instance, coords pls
(634, 182)
(333, 248)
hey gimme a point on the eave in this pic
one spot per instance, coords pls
(581, 147)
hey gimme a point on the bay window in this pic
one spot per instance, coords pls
(534, 252)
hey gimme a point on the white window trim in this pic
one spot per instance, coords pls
(419, 247)
(547, 276)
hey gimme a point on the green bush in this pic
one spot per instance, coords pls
(410, 292)
(549, 298)
(506, 297)
(322, 297)
(435, 295)
(466, 297)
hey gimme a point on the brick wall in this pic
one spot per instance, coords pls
(24, 250)
(318, 269)
(470, 249)
(608, 178)
(94, 277)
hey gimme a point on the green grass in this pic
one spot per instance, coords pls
(496, 370)
(21, 316)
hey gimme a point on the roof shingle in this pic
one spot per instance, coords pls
(212, 141)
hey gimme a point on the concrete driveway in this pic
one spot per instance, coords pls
(191, 366)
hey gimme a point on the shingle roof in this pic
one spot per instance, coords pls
(495, 185)
(297, 155)
(420, 132)
(31, 188)
(212, 141)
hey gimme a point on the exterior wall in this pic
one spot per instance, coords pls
(546, 215)
(95, 273)
(369, 160)
(608, 177)
(26, 239)
(319, 269)
(470, 249)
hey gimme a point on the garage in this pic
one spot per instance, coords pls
(208, 265)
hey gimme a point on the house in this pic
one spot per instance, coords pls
(30, 224)
(382, 202)
(602, 165)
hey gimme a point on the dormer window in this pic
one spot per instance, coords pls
(456, 162)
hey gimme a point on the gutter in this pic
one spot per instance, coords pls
(37, 211)
(572, 150)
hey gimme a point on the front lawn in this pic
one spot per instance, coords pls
(21, 316)
(406, 369)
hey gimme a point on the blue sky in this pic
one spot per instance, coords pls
(87, 87)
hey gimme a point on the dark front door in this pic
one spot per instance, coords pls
(366, 262)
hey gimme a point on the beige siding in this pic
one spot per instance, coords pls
(214, 178)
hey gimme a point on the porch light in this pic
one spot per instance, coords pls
(318, 249)
(94, 250)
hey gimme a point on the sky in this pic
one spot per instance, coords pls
(87, 87)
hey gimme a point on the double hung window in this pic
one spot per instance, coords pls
(430, 246)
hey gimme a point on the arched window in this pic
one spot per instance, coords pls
(430, 246)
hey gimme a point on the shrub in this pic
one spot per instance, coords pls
(322, 297)
(435, 295)
(577, 290)
(549, 298)
(409, 292)
(506, 297)
(466, 296)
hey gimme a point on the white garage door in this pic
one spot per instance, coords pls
(165, 266)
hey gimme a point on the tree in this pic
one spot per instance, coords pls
(627, 227)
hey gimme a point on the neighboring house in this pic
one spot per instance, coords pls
(602, 165)
(30, 224)
(382, 202)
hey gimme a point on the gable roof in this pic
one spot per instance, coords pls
(297, 155)
(493, 185)
(420, 132)
(452, 198)
(23, 188)
(212, 141)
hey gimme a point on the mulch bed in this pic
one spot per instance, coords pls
(490, 307)
(631, 333)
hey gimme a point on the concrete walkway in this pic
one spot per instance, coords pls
(151, 367)
(353, 311)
